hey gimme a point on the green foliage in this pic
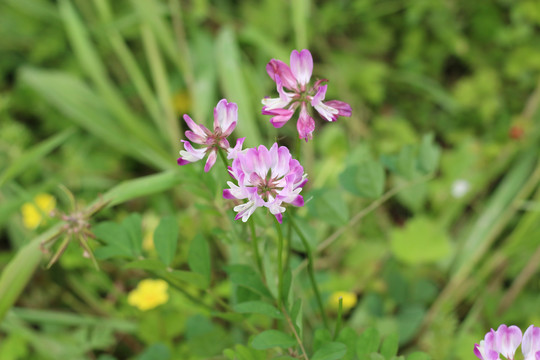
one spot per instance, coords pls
(155, 352)
(245, 276)
(272, 338)
(420, 241)
(258, 307)
(92, 95)
(166, 239)
(199, 258)
(330, 351)
(120, 240)
(368, 342)
(365, 179)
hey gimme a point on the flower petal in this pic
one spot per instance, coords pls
(279, 68)
(507, 340)
(232, 153)
(305, 124)
(281, 116)
(211, 160)
(197, 129)
(225, 116)
(302, 66)
(343, 108)
(190, 155)
(327, 112)
(530, 345)
(277, 103)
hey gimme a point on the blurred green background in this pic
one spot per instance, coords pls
(92, 94)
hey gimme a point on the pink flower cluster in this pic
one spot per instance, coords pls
(296, 79)
(268, 178)
(225, 119)
(505, 342)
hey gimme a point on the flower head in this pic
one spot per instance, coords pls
(266, 178)
(149, 294)
(32, 212)
(225, 119)
(296, 79)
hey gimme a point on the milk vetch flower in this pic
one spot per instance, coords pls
(265, 178)
(148, 294)
(225, 119)
(33, 212)
(531, 343)
(296, 79)
(505, 342)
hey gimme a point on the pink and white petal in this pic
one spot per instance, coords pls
(229, 130)
(277, 103)
(507, 340)
(327, 112)
(232, 153)
(281, 116)
(235, 192)
(319, 96)
(225, 116)
(190, 154)
(197, 129)
(196, 138)
(343, 108)
(282, 165)
(302, 66)
(279, 217)
(245, 210)
(485, 352)
(211, 160)
(279, 68)
(180, 161)
(305, 124)
(262, 163)
(224, 144)
(530, 345)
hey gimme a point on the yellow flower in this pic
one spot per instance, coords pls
(32, 212)
(149, 294)
(150, 223)
(349, 300)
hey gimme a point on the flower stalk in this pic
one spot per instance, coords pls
(311, 271)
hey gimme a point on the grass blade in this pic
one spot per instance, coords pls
(33, 155)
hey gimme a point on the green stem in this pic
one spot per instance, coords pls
(298, 150)
(255, 246)
(311, 271)
(280, 262)
(223, 159)
(339, 318)
(289, 246)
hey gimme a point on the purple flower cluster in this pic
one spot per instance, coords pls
(225, 119)
(296, 79)
(505, 342)
(264, 177)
